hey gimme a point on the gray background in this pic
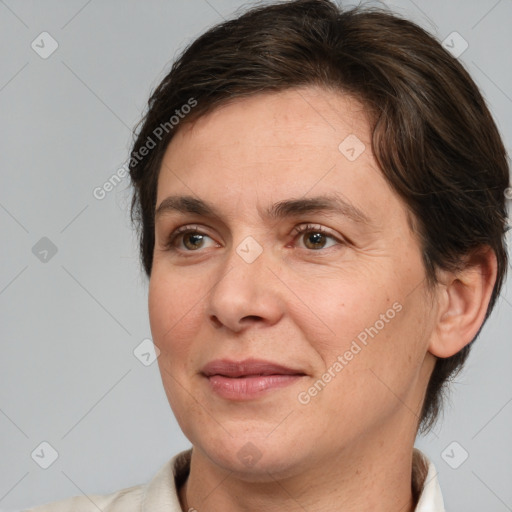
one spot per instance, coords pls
(69, 325)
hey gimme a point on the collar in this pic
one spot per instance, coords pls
(430, 497)
(160, 494)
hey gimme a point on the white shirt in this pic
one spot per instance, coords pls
(160, 494)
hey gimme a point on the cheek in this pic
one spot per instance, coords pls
(173, 316)
(171, 307)
(160, 302)
(394, 349)
(341, 307)
(378, 331)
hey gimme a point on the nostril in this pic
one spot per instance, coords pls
(252, 317)
(216, 322)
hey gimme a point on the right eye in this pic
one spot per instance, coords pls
(187, 239)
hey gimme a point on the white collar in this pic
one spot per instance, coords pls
(431, 498)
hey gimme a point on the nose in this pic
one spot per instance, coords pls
(246, 293)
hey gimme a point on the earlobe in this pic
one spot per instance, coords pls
(463, 297)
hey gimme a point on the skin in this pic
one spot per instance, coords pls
(301, 305)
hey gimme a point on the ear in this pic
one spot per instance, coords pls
(463, 297)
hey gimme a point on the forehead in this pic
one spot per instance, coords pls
(310, 115)
(274, 146)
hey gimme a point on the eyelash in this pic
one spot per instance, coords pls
(170, 245)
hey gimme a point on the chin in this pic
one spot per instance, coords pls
(255, 459)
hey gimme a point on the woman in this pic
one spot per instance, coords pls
(320, 197)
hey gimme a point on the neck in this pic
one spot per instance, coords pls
(376, 478)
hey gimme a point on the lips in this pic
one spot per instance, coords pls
(247, 368)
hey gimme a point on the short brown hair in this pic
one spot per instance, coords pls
(432, 133)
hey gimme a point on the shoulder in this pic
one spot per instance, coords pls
(159, 492)
(125, 500)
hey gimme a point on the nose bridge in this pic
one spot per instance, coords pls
(247, 262)
(245, 288)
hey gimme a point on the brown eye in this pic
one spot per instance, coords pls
(187, 239)
(193, 241)
(316, 237)
(314, 240)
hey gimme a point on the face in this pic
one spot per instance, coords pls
(292, 248)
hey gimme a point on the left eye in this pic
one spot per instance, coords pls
(315, 237)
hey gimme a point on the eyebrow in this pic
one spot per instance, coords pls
(287, 208)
